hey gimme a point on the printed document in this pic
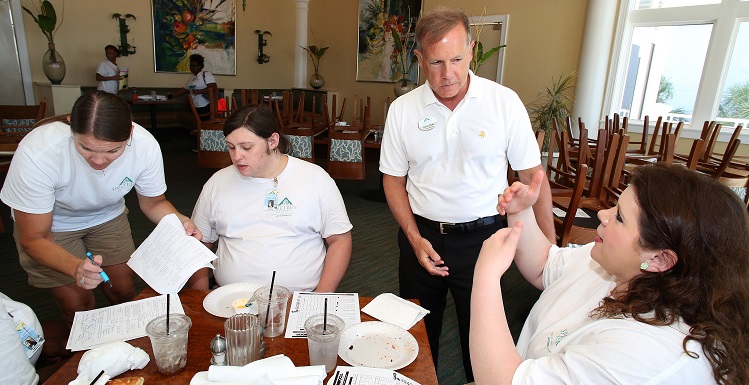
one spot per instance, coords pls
(169, 257)
(305, 304)
(121, 322)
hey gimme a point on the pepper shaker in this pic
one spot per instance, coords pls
(218, 350)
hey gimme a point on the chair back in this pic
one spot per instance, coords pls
(212, 149)
(346, 155)
(563, 226)
(17, 121)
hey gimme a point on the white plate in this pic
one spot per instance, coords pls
(218, 302)
(376, 344)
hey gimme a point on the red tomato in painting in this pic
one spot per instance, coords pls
(188, 16)
(179, 27)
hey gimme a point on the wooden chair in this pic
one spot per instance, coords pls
(212, 149)
(17, 121)
(346, 154)
(565, 229)
(50, 119)
(301, 136)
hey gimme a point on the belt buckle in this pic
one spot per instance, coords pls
(442, 229)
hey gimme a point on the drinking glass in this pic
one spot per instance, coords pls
(244, 339)
(323, 342)
(271, 309)
(169, 350)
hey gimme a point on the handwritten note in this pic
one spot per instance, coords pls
(168, 257)
(121, 322)
(304, 304)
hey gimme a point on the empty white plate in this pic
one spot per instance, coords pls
(378, 344)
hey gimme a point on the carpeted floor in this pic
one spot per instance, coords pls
(374, 262)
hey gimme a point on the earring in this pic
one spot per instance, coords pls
(644, 266)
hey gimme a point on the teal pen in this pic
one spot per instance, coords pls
(104, 275)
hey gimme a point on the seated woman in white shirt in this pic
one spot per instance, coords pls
(269, 211)
(660, 297)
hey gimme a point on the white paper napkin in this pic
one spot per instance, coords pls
(388, 307)
(114, 358)
(276, 370)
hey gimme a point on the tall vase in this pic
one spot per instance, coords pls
(403, 86)
(53, 65)
(316, 80)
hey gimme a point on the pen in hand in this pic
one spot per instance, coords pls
(104, 275)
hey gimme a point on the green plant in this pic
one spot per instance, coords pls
(553, 102)
(315, 54)
(403, 50)
(479, 56)
(46, 19)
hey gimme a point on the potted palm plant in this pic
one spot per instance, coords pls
(52, 63)
(315, 53)
(553, 102)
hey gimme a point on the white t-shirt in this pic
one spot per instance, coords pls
(16, 367)
(256, 236)
(107, 68)
(200, 81)
(561, 344)
(456, 161)
(48, 174)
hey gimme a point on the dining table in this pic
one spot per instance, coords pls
(152, 103)
(204, 328)
(373, 140)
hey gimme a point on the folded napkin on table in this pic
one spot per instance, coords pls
(114, 358)
(276, 370)
(388, 307)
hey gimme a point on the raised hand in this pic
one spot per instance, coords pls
(519, 196)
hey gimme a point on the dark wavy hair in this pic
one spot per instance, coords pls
(260, 120)
(705, 224)
(106, 116)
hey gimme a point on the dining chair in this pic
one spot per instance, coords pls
(346, 154)
(566, 231)
(17, 121)
(212, 149)
(301, 136)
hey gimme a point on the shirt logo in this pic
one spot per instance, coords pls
(125, 185)
(285, 208)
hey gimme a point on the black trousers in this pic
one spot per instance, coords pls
(459, 252)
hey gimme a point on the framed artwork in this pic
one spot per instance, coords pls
(185, 27)
(386, 40)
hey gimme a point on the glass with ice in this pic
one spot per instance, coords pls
(323, 341)
(169, 350)
(271, 309)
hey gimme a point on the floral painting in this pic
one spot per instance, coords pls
(386, 40)
(185, 27)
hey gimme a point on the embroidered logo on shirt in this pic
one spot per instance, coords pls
(482, 134)
(125, 185)
(285, 208)
(553, 340)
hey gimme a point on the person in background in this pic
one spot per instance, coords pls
(198, 86)
(24, 342)
(444, 158)
(269, 212)
(660, 297)
(107, 73)
(66, 187)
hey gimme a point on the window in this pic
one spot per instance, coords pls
(686, 60)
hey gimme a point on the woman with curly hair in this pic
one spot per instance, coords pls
(660, 297)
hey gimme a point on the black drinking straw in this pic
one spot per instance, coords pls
(97, 378)
(325, 318)
(270, 296)
(167, 314)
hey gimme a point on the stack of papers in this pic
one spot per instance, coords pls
(356, 375)
(388, 307)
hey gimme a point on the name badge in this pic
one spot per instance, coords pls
(427, 123)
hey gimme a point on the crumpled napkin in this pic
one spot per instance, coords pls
(276, 370)
(390, 308)
(114, 358)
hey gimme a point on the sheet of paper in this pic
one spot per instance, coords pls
(304, 304)
(578, 214)
(121, 322)
(359, 375)
(168, 257)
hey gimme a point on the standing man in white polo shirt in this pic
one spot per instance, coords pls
(444, 158)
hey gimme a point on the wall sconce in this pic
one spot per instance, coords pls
(124, 47)
(262, 42)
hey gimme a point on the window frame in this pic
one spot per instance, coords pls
(725, 17)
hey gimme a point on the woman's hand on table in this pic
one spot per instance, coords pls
(87, 274)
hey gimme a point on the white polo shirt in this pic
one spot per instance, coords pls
(456, 161)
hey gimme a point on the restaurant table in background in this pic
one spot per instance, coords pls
(374, 140)
(152, 103)
(205, 326)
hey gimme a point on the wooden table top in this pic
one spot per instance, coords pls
(205, 326)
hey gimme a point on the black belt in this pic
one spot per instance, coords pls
(459, 228)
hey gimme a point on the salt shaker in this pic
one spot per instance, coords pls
(218, 350)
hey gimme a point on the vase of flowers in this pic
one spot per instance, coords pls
(316, 80)
(52, 62)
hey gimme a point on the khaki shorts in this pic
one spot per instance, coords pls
(112, 240)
